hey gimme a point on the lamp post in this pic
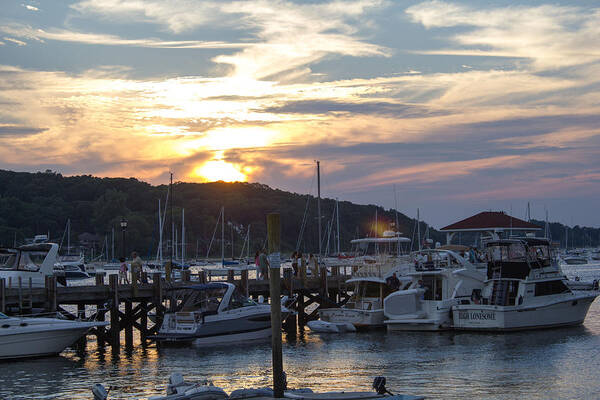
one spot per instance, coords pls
(123, 229)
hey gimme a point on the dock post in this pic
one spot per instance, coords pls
(202, 276)
(230, 275)
(51, 294)
(20, 296)
(244, 282)
(100, 278)
(323, 283)
(157, 295)
(185, 275)
(113, 281)
(274, 236)
(168, 270)
(129, 324)
(300, 308)
(2, 295)
(82, 342)
(144, 322)
(135, 278)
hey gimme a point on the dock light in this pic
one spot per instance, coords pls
(123, 229)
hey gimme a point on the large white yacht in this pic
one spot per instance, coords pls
(215, 313)
(35, 261)
(35, 337)
(526, 289)
(442, 279)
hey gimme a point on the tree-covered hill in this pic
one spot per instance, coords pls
(38, 203)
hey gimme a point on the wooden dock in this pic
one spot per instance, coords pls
(127, 306)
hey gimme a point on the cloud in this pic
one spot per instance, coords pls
(112, 40)
(286, 36)
(551, 36)
(14, 130)
(30, 7)
(15, 41)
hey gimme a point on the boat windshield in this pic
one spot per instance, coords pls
(3, 316)
(206, 301)
(238, 300)
(8, 260)
(31, 260)
(507, 252)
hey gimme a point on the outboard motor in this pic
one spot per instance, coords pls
(100, 393)
(379, 386)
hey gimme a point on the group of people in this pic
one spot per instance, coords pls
(136, 266)
(298, 260)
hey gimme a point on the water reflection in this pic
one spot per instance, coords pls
(554, 363)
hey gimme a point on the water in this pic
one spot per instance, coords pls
(555, 363)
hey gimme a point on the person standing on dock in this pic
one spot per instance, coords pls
(123, 271)
(136, 265)
(263, 265)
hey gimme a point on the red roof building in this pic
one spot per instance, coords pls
(491, 222)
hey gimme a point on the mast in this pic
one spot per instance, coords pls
(222, 236)
(232, 256)
(528, 212)
(319, 202)
(419, 229)
(547, 227)
(337, 218)
(160, 234)
(172, 224)
(182, 236)
(396, 208)
(248, 249)
(113, 244)
(68, 236)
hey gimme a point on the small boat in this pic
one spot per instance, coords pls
(179, 389)
(320, 326)
(526, 289)
(575, 260)
(215, 313)
(442, 279)
(30, 261)
(22, 337)
(72, 267)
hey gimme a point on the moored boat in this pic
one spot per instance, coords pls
(525, 290)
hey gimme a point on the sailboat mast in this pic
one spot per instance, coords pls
(419, 229)
(222, 236)
(182, 236)
(112, 250)
(319, 203)
(69, 236)
(337, 218)
(172, 224)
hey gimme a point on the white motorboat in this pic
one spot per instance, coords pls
(71, 267)
(215, 313)
(526, 289)
(35, 337)
(442, 279)
(30, 261)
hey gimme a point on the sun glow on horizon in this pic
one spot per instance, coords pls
(220, 170)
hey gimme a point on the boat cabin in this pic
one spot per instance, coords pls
(24, 258)
(210, 298)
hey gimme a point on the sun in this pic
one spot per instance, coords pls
(219, 170)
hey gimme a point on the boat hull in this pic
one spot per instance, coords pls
(358, 318)
(496, 318)
(20, 342)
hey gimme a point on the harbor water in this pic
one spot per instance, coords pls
(545, 364)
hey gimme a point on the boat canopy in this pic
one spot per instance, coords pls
(203, 286)
(398, 239)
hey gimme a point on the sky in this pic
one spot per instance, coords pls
(452, 107)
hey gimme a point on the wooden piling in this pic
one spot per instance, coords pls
(2, 295)
(244, 282)
(100, 278)
(129, 324)
(168, 271)
(185, 275)
(52, 305)
(113, 281)
(81, 343)
(202, 276)
(230, 275)
(323, 283)
(274, 238)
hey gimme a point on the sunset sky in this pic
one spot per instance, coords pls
(461, 107)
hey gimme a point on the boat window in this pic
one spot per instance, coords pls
(507, 252)
(238, 301)
(31, 260)
(550, 287)
(369, 289)
(3, 316)
(504, 292)
(8, 261)
(433, 287)
(204, 300)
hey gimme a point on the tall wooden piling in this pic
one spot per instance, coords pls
(51, 304)
(274, 237)
(230, 275)
(202, 276)
(115, 329)
(128, 324)
(2, 295)
(244, 282)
